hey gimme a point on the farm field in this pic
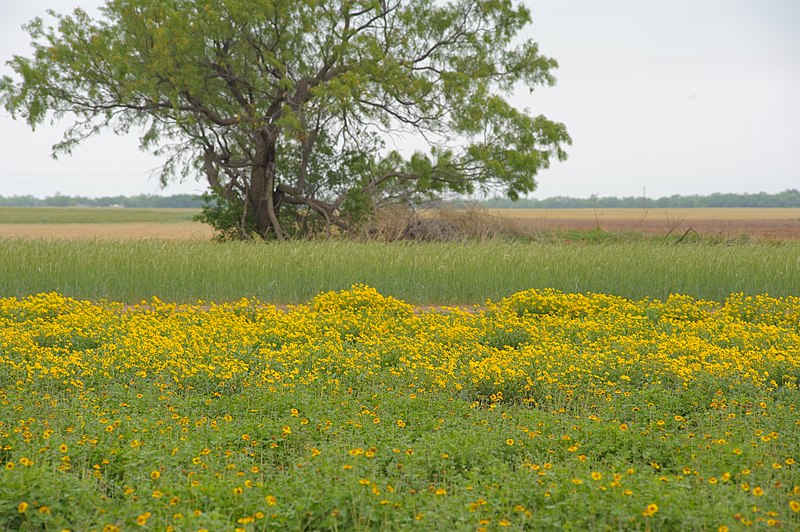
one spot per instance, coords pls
(175, 224)
(775, 224)
(633, 384)
(75, 223)
(119, 231)
(355, 410)
(92, 215)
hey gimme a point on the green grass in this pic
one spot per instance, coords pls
(463, 273)
(80, 215)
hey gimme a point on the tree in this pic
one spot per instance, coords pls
(285, 106)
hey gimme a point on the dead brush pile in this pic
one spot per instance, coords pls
(437, 224)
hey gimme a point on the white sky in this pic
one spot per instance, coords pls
(663, 96)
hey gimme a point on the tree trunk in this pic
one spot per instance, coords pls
(262, 187)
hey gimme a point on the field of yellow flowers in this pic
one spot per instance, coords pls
(357, 411)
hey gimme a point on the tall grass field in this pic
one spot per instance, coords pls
(448, 273)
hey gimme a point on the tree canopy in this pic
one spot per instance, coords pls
(286, 106)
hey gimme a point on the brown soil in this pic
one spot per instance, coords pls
(118, 231)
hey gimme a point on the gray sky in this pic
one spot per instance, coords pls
(667, 96)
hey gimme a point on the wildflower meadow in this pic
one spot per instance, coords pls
(355, 410)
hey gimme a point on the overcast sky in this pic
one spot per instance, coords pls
(660, 96)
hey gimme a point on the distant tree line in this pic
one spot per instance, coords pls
(785, 199)
(142, 201)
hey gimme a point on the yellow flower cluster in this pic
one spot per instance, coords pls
(235, 415)
(534, 346)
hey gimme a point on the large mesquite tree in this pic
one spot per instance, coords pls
(285, 106)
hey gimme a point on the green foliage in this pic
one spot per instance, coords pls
(228, 218)
(356, 207)
(287, 105)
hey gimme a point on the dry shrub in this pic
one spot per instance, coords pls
(436, 224)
